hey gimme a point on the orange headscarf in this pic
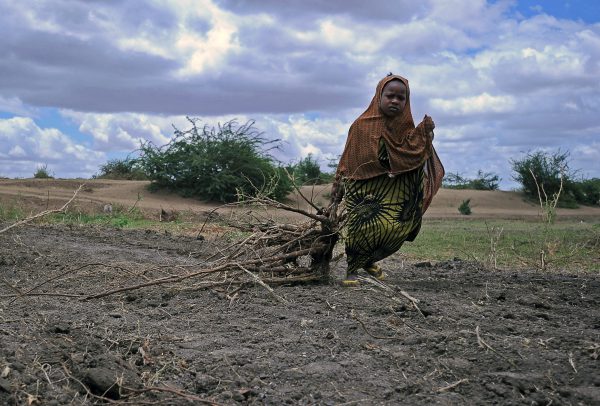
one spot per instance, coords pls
(408, 147)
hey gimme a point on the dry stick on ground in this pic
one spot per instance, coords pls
(188, 396)
(261, 283)
(43, 213)
(11, 287)
(180, 393)
(452, 385)
(572, 363)
(217, 269)
(28, 292)
(389, 290)
(362, 324)
(483, 344)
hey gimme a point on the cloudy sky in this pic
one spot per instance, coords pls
(82, 82)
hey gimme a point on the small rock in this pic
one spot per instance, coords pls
(107, 378)
(61, 328)
(5, 372)
(4, 385)
(102, 381)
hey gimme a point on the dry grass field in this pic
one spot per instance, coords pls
(39, 194)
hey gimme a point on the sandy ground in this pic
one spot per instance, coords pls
(38, 194)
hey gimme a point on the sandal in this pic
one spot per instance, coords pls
(376, 272)
(351, 281)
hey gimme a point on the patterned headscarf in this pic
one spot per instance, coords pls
(408, 147)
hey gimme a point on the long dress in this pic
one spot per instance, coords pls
(383, 212)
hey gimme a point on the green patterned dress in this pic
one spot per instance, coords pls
(383, 212)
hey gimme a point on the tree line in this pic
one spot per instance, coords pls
(224, 162)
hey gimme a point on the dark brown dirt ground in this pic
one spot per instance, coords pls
(485, 337)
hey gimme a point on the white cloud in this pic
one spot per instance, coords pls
(199, 51)
(482, 103)
(124, 131)
(495, 82)
(30, 146)
(17, 152)
(14, 105)
(323, 137)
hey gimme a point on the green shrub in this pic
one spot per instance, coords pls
(483, 181)
(216, 163)
(308, 172)
(465, 207)
(42, 172)
(127, 169)
(542, 172)
(586, 191)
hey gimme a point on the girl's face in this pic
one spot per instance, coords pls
(393, 98)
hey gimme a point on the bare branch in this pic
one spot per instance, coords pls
(63, 209)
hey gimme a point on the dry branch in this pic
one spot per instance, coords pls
(485, 345)
(43, 213)
(452, 385)
(263, 284)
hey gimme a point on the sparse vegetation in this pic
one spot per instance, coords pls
(11, 211)
(42, 172)
(120, 217)
(570, 245)
(465, 207)
(483, 181)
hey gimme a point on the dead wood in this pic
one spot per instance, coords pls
(43, 213)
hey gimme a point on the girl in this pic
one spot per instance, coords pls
(388, 174)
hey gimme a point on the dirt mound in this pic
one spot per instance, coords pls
(480, 337)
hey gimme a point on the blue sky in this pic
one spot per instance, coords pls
(82, 82)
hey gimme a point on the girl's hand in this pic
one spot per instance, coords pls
(428, 124)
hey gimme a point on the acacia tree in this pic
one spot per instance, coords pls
(216, 163)
(543, 170)
(483, 181)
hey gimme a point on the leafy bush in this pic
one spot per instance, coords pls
(308, 172)
(483, 181)
(465, 207)
(127, 169)
(541, 173)
(586, 191)
(216, 163)
(42, 172)
(543, 170)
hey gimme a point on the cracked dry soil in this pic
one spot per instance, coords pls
(485, 337)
